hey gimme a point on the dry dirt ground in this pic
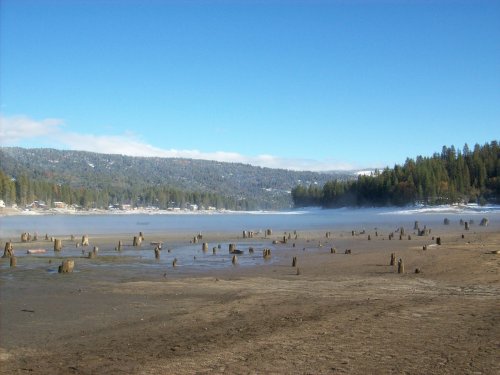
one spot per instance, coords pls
(342, 314)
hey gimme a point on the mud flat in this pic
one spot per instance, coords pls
(333, 313)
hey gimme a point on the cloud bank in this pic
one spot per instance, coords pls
(21, 130)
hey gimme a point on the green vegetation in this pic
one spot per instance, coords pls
(450, 177)
(92, 180)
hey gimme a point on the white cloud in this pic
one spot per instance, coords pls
(16, 129)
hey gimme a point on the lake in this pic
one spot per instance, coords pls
(304, 219)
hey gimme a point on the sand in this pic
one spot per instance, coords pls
(342, 314)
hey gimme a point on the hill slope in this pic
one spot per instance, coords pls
(265, 188)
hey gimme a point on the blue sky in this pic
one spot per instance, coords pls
(294, 84)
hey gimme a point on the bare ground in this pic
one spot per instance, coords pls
(343, 314)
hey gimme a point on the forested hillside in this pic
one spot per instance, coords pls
(452, 176)
(97, 180)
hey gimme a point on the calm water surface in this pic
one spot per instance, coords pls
(308, 219)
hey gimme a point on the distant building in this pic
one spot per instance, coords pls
(60, 205)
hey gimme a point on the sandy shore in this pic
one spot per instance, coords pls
(342, 314)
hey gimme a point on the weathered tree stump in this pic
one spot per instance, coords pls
(8, 250)
(67, 266)
(347, 251)
(266, 253)
(402, 231)
(369, 238)
(57, 244)
(250, 250)
(234, 260)
(157, 252)
(446, 221)
(119, 247)
(141, 235)
(417, 270)
(137, 241)
(72, 237)
(24, 237)
(298, 271)
(204, 247)
(46, 237)
(409, 237)
(91, 254)
(333, 250)
(214, 250)
(438, 241)
(232, 247)
(174, 263)
(401, 266)
(424, 247)
(85, 240)
(484, 222)
(13, 261)
(393, 259)
(415, 226)
(466, 225)
(269, 232)
(294, 262)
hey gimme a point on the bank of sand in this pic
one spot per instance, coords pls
(343, 314)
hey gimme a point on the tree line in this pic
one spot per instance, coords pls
(452, 176)
(23, 191)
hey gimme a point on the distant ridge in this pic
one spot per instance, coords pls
(263, 188)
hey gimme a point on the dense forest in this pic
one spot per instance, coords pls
(453, 176)
(93, 180)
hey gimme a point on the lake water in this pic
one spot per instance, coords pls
(306, 219)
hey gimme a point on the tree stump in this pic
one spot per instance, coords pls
(369, 238)
(446, 221)
(57, 244)
(174, 263)
(235, 259)
(333, 250)
(137, 241)
(484, 222)
(438, 241)
(205, 247)
(294, 262)
(466, 225)
(157, 252)
(13, 261)
(67, 266)
(24, 237)
(401, 266)
(85, 240)
(8, 250)
(214, 250)
(393, 259)
(415, 226)
(119, 248)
